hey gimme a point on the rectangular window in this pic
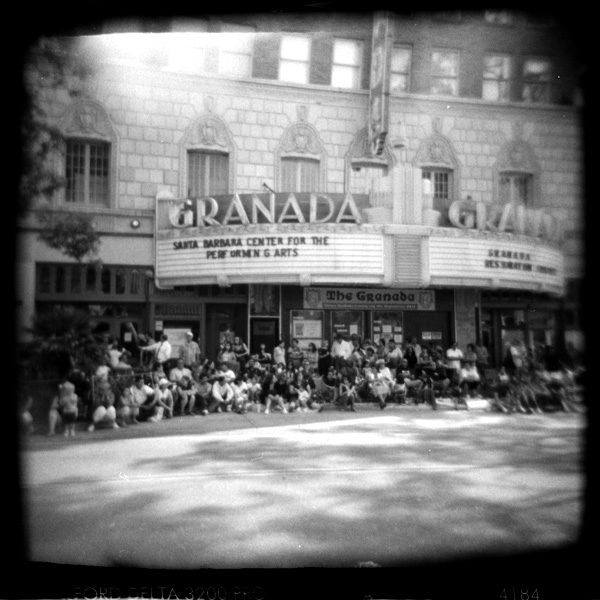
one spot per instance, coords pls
(87, 172)
(345, 71)
(444, 73)
(294, 60)
(516, 188)
(536, 80)
(235, 56)
(440, 183)
(400, 71)
(299, 175)
(208, 174)
(496, 78)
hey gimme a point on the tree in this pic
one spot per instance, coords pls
(74, 235)
(63, 339)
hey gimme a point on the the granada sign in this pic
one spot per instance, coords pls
(512, 218)
(254, 209)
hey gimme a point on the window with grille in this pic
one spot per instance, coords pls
(208, 174)
(496, 78)
(300, 175)
(346, 68)
(536, 80)
(235, 55)
(441, 182)
(400, 70)
(444, 73)
(87, 172)
(294, 60)
(516, 188)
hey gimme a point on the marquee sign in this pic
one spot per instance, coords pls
(495, 262)
(285, 256)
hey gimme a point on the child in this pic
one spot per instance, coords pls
(67, 400)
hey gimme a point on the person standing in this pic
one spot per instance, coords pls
(241, 351)
(454, 356)
(161, 350)
(279, 354)
(341, 351)
(189, 352)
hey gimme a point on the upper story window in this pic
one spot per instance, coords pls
(300, 175)
(346, 68)
(87, 172)
(444, 73)
(515, 188)
(499, 17)
(208, 174)
(294, 62)
(496, 78)
(537, 73)
(400, 70)
(440, 182)
(235, 51)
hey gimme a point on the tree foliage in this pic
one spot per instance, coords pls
(65, 333)
(74, 235)
(49, 64)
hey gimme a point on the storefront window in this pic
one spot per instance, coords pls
(307, 327)
(105, 281)
(347, 322)
(120, 281)
(388, 325)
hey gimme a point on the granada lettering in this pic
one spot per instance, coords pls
(539, 223)
(207, 212)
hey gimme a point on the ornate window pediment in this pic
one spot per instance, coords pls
(436, 151)
(87, 119)
(517, 156)
(360, 154)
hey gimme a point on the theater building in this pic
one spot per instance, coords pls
(397, 176)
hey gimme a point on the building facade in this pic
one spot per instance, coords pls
(231, 174)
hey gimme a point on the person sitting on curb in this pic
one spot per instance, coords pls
(141, 395)
(203, 393)
(186, 391)
(176, 374)
(126, 407)
(240, 394)
(164, 400)
(468, 383)
(222, 395)
(412, 382)
(277, 393)
(104, 413)
(347, 394)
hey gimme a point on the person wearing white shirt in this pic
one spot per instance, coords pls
(341, 351)
(161, 349)
(222, 395)
(454, 356)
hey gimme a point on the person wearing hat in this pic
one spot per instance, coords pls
(189, 352)
(164, 400)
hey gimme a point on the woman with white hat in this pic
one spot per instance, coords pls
(164, 400)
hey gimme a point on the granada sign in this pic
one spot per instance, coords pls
(257, 209)
(369, 298)
(512, 218)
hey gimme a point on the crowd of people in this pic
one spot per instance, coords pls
(337, 376)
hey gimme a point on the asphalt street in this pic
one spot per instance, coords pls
(372, 488)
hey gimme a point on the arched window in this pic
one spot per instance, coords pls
(209, 153)
(517, 175)
(88, 159)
